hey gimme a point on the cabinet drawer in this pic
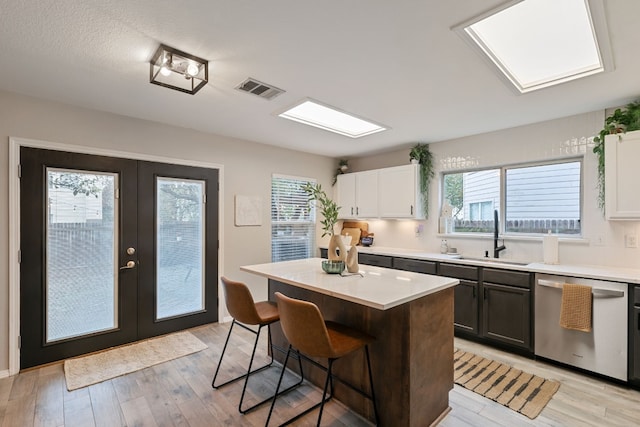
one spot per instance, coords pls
(636, 295)
(507, 277)
(458, 271)
(415, 265)
(377, 260)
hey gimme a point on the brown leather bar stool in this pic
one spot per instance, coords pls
(308, 333)
(245, 312)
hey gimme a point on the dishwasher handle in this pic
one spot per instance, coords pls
(597, 292)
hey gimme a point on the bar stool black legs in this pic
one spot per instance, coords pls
(249, 371)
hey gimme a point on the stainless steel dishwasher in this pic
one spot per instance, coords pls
(604, 349)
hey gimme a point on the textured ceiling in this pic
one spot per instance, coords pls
(394, 62)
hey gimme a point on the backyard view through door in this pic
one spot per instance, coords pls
(113, 250)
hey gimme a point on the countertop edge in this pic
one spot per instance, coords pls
(447, 283)
(616, 274)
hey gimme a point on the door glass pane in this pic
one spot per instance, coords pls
(81, 279)
(180, 247)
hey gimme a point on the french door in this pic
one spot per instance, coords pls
(112, 250)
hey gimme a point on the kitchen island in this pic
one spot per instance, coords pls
(411, 316)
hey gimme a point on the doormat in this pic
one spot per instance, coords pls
(523, 392)
(105, 365)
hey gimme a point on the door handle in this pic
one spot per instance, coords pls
(130, 265)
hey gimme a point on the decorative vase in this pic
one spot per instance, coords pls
(352, 260)
(414, 161)
(337, 250)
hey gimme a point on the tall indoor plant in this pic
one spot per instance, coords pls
(619, 122)
(329, 210)
(423, 155)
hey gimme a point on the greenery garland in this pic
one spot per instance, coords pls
(619, 122)
(423, 155)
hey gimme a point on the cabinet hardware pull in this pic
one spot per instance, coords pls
(411, 209)
(474, 292)
(351, 210)
(357, 211)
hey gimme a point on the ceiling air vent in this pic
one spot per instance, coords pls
(260, 89)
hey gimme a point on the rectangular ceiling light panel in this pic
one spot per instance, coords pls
(314, 113)
(539, 43)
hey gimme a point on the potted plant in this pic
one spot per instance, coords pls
(343, 166)
(329, 210)
(619, 122)
(421, 154)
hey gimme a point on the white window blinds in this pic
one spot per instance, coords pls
(293, 221)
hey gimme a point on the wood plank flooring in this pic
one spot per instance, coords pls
(179, 393)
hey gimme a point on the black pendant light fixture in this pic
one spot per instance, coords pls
(178, 70)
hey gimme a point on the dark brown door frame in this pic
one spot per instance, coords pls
(28, 351)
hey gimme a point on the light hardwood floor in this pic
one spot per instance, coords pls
(179, 393)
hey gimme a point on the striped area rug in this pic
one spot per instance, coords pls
(524, 393)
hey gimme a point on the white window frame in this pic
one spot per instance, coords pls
(503, 198)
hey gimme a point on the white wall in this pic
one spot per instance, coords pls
(247, 171)
(603, 242)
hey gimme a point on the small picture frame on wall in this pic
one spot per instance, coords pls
(248, 211)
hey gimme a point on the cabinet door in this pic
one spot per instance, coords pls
(506, 314)
(377, 260)
(367, 194)
(635, 371)
(346, 199)
(621, 176)
(415, 265)
(465, 315)
(398, 192)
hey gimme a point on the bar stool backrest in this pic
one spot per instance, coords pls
(240, 302)
(304, 327)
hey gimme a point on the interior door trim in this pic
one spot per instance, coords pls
(15, 143)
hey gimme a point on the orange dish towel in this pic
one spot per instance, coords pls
(575, 311)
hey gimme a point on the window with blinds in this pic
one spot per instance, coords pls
(293, 220)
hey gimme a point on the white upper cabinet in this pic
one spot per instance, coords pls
(399, 192)
(380, 193)
(622, 175)
(358, 194)
(367, 194)
(346, 199)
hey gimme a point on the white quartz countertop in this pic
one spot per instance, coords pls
(616, 274)
(377, 287)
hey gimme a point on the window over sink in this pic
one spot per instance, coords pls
(530, 199)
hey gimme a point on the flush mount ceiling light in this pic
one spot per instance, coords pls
(314, 113)
(540, 43)
(178, 70)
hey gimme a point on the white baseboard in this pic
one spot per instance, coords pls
(4, 374)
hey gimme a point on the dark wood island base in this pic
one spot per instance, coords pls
(412, 358)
